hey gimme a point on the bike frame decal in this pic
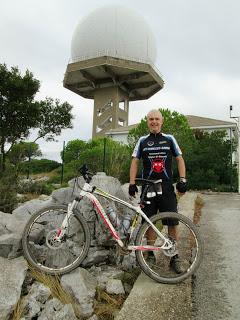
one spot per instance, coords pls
(87, 191)
(144, 248)
(105, 218)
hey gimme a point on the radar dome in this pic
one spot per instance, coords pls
(113, 31)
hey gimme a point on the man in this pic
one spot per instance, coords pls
(156, 150)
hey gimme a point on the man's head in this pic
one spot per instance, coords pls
(154, 121)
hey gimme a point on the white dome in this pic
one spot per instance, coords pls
(113, 31)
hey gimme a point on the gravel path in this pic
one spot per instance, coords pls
(216, 287)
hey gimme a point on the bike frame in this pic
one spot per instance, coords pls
(88, 191)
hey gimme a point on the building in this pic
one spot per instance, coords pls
(206, 124)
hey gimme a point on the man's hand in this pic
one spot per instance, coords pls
(132, 190)
(181, 186)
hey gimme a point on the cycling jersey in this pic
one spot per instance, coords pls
(156, 151)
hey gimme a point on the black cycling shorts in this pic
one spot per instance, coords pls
(166, 202)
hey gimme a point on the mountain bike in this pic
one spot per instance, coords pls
(57, 238)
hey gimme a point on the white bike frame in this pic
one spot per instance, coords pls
(88, 191)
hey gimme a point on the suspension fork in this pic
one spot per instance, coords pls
(62, 229)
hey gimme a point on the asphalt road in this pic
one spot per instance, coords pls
(216, 293)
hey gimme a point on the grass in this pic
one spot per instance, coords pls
(106, 305)
(57, 291)
(198, 204)
(18, 312)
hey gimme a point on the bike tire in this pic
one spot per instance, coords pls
(189, 246)
(38, 235)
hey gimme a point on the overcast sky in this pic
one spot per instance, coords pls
(198, 55)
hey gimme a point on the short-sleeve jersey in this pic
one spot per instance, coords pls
(156, 152)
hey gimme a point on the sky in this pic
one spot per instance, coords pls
(198, 54)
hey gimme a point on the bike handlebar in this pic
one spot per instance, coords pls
(87, 175)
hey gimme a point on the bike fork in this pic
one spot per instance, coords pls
(62, 229)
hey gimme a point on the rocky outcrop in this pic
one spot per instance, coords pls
(82, 285)
(12, 273)
(11, 229)
(37, 301)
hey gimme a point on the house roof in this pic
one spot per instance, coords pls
(200, 122)
(195, 122)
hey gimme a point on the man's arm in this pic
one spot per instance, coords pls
(181, 167)
(133, 173)
(133, 170)
(181, 186)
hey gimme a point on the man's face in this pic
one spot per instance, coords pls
(154, 122)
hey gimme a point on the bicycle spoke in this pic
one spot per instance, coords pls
(42, 248)
(177, 263)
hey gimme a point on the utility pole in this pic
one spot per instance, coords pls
(237, 119)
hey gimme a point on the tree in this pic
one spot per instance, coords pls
(24, 151)
(209, 167)
(73, 150)
(116, 159)
(53, 118)
(19, 112)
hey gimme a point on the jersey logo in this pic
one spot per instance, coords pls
(158, 165)
(150, 143)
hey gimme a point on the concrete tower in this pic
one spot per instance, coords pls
(112, 61)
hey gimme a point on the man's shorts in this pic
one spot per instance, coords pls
(165, 202)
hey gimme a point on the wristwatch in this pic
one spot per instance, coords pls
(183, 179)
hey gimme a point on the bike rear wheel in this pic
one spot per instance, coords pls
(189, 247)
(50, 256)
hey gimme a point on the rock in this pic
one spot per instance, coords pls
(44, 197)
(35, 299)
(82, 285)
(11, 230)
(104, 273)
(129, 262)
(55, 310)
(94, 317)
(115, 286)
(30, 207)
(63, 195)
(13, 273)
(95, 256)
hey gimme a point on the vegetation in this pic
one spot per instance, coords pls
(209, 166)
(8, 190)
(100, 154)
(20, 112)
(207, 155)
(38, 166)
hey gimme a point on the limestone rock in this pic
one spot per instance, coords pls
(13, 273)
(82, 285)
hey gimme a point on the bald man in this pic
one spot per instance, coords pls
(156, 151)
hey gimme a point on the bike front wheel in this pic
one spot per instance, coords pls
(41, 248)
(187, 249)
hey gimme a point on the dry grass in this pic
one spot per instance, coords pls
(106, 305)
(18, 312)
(198, 204)
(57, 291)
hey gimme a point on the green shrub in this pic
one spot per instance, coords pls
(38, 166)
(8, 190)
(36, 187)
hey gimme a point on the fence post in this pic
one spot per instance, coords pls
(104, 153)
(62, 162)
